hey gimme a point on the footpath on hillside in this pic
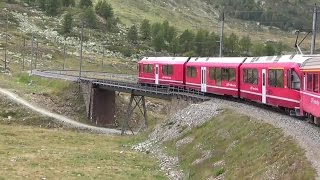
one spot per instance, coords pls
(59, 118)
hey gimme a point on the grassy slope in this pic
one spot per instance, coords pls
(34, 153)
(27, 151)
(242, 148)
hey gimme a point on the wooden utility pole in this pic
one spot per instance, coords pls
(314, 29)
(221, 35)
(81, 44)
(23, 52)
(103, 55)
(31, 51)
(64, 55)
(35, 62)
(6, 47)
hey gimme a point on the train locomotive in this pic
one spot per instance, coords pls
(289, 82)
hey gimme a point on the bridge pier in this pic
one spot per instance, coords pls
(103, 107)
(140, 103)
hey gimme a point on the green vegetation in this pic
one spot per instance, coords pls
(285, 14)
(239, 147)
(202, 43)
(133, 34)
(104, 9)
(67, 23)
(90, 18)
(145, 30)
(85, 4)
(28, 152)
(31, 152)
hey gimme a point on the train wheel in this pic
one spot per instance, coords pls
(316, 121)
(310, 119)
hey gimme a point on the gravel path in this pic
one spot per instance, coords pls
(59, 118)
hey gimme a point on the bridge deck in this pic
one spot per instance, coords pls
(121, 83)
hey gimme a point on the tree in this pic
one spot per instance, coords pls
(158, 41)
(232, 45)
(174, 46)
(269, 50)
(53, 7)
(170, 34)
(42, 5)
(68, 3)
(145, 29)
(200, 42)
(104, 9)
(155, 29)
(89, 17)
(258, 50)
(133, 34)
(186, 40)
(67, 23)
(211, 45)
(85, 4)
(245, 45)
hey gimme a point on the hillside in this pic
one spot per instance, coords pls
(197, 14)
(112, 51)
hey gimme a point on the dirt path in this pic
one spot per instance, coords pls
(59, 118)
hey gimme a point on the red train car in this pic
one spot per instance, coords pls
(214, 75)
(272, 80)
(162, 70)
(310, 92)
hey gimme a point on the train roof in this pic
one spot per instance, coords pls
(300, 59)
(227, 60)
(313, 63)
(164, 60)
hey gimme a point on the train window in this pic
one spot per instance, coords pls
(167, 70)
(250, 76)
(276, 78)
(280, 78)
(225, 74)
(232, 75)
(316, 83)
(228, 74)
(293, 80)
(218, 76)
(254, 76)
(272, 78)
(148, 68)
(191, 71)
(309, 82)
(212, 73)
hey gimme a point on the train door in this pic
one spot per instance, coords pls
(157, 74)
(203, 79)
(264, 86)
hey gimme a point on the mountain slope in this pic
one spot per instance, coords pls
(204, 14)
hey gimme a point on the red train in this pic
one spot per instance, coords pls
(290, 82)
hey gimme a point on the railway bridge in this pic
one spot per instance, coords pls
(100, 94)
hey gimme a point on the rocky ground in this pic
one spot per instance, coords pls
(181, 122)
(307, 135)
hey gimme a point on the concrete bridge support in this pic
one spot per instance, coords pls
(103, 107)
(100, 104)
